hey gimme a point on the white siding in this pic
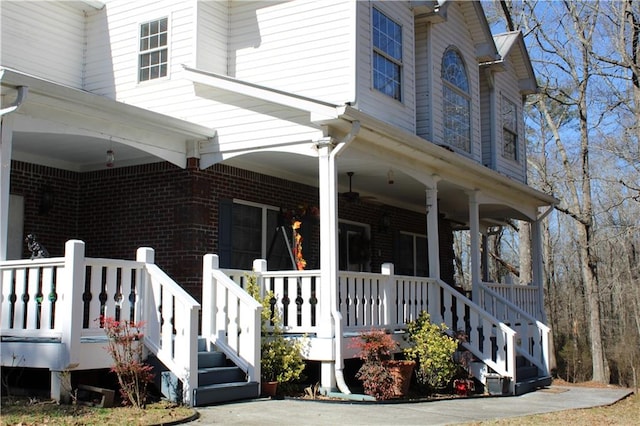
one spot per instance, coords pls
(454, 32)
(488, 121)
(303, 46)
(212, 31)
(507, 87)
(45, 39)
(369, 100)
(115, 32)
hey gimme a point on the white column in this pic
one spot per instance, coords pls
(474, 230)
(6, 134)
(433, 237)
(327, 178)
(538, 265)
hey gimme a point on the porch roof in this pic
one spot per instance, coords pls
(380, 147)
(71, 128)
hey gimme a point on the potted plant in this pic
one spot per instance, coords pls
(433, 350)
(281, 358)
(381, 376)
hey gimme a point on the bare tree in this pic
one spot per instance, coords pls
(564, 66)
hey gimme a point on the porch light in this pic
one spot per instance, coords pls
(110, 158)
(390, 177)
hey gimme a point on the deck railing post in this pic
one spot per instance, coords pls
(69, 317)
(149, 313)
(388, 295)
(210, 262)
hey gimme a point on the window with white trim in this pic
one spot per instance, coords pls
(255, 232)
(154, 52)
(456, 101)
(413, 255)
(387, 55)
(509, 130)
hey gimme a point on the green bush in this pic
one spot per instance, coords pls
(281, 357)
(433, 350)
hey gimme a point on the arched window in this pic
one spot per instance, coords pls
(456, 101)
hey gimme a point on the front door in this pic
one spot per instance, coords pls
(355, 247)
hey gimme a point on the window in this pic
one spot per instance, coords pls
(153, 50)
(413, 255)
(509, 130)
(250, 231)
(387, 55)
(456, 102)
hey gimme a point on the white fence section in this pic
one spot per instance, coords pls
(368, 300)
(231, 317)
(525, 297)
(533, 335)
(57, 303)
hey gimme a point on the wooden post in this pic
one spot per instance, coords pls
(209, 263)
(388, 293)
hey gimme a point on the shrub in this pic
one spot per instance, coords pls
(374, 349)
(281, 358)
(433, 350)
(133, 375)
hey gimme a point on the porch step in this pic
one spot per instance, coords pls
(218, 380)
(533, 384)
(224, 392)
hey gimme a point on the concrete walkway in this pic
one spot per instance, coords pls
(308, 412)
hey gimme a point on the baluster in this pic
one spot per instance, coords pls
(48, 293)
(92, 295)
(110, 289)
(306, 307)
(234, 321)
(33, 312)
(21, 293)
(7, 289)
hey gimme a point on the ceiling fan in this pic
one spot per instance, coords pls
(353, 196)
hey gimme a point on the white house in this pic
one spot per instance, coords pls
(207, 127)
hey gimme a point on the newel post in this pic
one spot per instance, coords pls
(388, 299)
(149, 312)
(209, 264)
(69, 317)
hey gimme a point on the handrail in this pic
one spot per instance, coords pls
(171, 317)
(230, 318)
(531, 332)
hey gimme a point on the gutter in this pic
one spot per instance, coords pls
(22, 94)
(337, 317)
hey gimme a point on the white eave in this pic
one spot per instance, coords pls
(79, 100)
(302, 103)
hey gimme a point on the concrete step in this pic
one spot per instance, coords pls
(531, 385)
(224, 392)
(217, 375)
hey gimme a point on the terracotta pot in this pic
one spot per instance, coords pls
(401, 372)
(269, 388)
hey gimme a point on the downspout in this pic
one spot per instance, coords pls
(22, 94)
(337, 317)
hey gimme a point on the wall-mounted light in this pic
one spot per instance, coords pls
(390, 177)
(385, 222)
(110, 158)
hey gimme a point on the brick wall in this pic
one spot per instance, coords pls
(175, 211)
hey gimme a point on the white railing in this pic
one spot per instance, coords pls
(367, 300)
(171, 318)
(60, 300)
(526, 297)
(231, 317)
(533, 335)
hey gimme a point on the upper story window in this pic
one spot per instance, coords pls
(509, 130)
(154, 53)
(456, 101)
(387, 55)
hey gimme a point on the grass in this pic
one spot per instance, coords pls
(27, 412)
